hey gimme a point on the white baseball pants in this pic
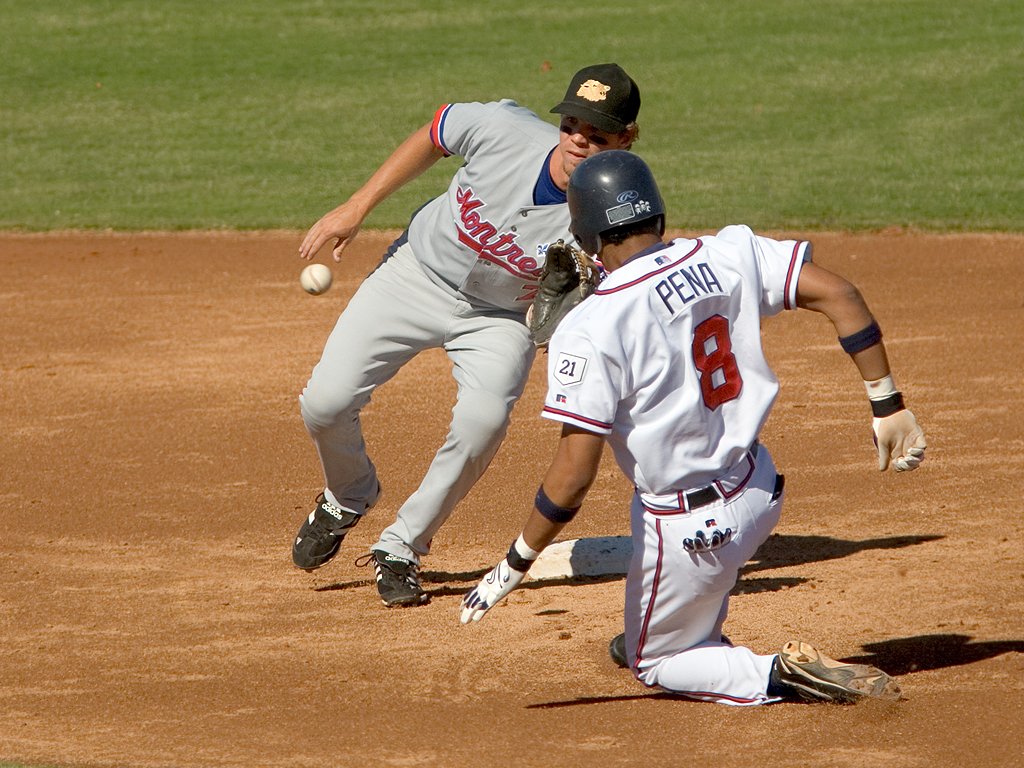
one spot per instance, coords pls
(677, 600)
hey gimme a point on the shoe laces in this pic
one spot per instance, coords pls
(407, 570)
(370, 557)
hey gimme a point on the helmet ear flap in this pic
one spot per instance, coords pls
(591, 244)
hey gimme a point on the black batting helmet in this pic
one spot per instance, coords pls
(612, 189)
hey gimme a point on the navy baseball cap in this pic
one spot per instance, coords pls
(602, 95)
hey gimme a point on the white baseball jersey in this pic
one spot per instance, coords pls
(485, 237)
(666, 357)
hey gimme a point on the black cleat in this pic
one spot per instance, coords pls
(398, 579)
(617, 650)
(320, 536)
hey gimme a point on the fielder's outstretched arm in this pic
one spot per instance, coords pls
(899, 439)
(565, 486)
(412, 157)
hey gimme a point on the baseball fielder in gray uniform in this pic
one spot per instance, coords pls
(460, 278)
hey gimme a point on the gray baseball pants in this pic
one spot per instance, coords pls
(397, 312)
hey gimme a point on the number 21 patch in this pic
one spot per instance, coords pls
(569, 369)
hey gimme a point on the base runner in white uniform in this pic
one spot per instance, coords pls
(460, 278)
(664, 362)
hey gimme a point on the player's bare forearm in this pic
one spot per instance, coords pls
(566, 483)
(839, 300)
(539, 531)
(574, 467)
(565, 486)
(412, 157)
(833, 296)
(898, 438)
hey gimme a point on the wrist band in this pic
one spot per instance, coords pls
(885, 398)
(862, 339)
(521, 555)
(880, 388)
(552, 511)
(887, 406)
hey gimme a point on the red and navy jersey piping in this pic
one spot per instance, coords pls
(437, 128)
(643, 278)
(576, 417)
(793, 261)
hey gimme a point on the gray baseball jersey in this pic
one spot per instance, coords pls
(459, 279)
(485, 237)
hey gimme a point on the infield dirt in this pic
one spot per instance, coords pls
(155, 470)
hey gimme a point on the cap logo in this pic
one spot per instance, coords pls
(592, 90)
(627, 196)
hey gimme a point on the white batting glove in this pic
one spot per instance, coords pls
(493, 587)
(899, 440)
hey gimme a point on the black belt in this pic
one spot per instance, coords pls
(708, 495)
(701, 497)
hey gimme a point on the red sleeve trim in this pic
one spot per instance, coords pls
(790, 290)
(437, 128)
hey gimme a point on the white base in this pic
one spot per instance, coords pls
(598, 556)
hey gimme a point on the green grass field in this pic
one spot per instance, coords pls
(185, 114)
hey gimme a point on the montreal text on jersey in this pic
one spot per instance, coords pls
(479, 234)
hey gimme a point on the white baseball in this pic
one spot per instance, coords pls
(316, 278)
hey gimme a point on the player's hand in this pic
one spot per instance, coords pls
(899, 440)
(342, 224)
(493, 587)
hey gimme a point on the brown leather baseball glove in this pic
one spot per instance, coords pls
(569, 276)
